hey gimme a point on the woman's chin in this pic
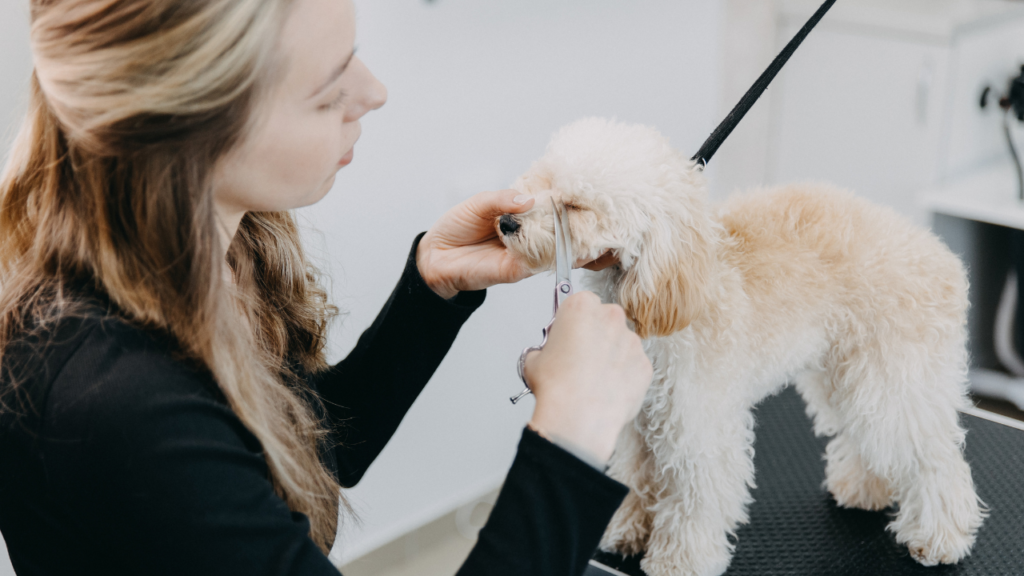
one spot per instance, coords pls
(325, 188)
(316, 196)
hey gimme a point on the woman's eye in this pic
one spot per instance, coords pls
(334, 104)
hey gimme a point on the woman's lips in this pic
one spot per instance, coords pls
(347, 158)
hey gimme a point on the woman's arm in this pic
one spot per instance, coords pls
(368, 393)
(550, 515)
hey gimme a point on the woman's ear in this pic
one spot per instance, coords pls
(666, 287)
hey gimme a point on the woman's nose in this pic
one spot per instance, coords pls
(508, 225)
(370, 94)
(378, 94)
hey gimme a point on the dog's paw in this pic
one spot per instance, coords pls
(627, 545)
(939, 515)
(627, 542)
(629, 528)
(946, 539)
(854, 486)
(691, 549)
(946, 547)
(866, 492)
(689, 564)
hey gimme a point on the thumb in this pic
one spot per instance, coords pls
(493, 204)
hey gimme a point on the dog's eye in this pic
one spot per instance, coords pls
(572, 207)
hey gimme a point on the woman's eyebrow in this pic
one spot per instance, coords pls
(335, 74)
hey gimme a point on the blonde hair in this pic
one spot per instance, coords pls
(109, 183)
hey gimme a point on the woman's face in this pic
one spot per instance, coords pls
(308, 121)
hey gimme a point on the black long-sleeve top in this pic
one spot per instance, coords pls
(116, 459)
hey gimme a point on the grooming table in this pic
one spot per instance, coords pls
(796, 528)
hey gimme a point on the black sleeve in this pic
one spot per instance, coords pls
(369, 392)
(549, 517)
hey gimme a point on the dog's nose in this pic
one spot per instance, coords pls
(508, 224)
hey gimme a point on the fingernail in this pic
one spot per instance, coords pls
(521, 199)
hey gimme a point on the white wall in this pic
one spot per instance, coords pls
(476, 88)
(749, 42)
(15, 70)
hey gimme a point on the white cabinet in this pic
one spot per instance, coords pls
(882, 98)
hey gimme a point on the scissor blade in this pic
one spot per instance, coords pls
(570, 259)
(563, 244)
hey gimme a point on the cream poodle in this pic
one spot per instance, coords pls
(804, 284)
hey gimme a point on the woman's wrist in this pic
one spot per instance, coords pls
(427, 272)
(595, 438)
(571, 447)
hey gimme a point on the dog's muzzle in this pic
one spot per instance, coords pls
(508, 225)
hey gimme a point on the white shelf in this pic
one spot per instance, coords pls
(938, 20)
(988, 195)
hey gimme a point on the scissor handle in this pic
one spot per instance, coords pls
(521, 366)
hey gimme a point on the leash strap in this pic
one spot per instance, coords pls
(710, 146)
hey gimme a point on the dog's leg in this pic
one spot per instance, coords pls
(847, 476)
(900, 403)
(632, 465)
(850, 480)
(704, 466)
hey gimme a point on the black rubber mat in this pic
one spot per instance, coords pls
(796, 528)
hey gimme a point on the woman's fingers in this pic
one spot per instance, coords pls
(461, 251)
(490, 205)
(531, 358)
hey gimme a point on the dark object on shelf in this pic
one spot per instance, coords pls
(796, 528)
(1013, 99)
(1012, 103)
(1016, 96)
(1017, 264)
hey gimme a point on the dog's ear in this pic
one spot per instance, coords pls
(666, 287)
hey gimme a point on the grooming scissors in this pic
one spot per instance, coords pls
(563, 284)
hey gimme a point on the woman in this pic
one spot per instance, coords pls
(166, 407)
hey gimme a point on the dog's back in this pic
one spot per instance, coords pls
(845, 250)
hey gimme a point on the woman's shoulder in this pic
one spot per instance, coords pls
(117, 415)
(95, 367)
(127, 387)
(117, 355)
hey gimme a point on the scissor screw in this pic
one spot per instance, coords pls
(565, 289)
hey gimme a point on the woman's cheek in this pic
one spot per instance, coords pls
(323, 144)
(308, 154)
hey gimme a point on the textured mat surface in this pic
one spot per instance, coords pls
(796, 529)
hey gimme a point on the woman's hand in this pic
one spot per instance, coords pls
(461, 251)
(591, 377)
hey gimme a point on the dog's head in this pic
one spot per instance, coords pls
(628, 192)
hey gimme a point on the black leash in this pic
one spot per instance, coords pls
(710, 146)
